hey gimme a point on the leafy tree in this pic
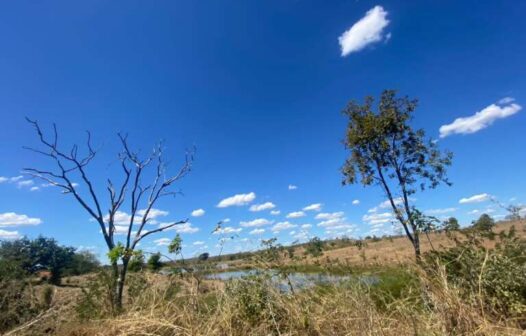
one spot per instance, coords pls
(176, 245)
(485, 223)
(154, 262)
(70, 166)
(314, 247)
(136, 262)
(386, 151)
(451, 224)
(41, 252)
(82, 262)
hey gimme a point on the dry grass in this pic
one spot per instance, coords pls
(246, 308)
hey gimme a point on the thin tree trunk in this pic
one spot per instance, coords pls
(416, 245)
(120, 284)
(114, 285)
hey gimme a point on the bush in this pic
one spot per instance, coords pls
(494, 279)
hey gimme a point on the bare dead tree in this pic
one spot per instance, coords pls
(141, 198)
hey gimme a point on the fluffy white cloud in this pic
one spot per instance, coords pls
(313, 207)
(25, 183)
(257, 231)
(199, 243)
(440, 211)
(162, 241)
(227, 230)
(482, 119)
(34, 189)
(275, 212)
(306, 226)
(368, 30)
(181, 228)
(9, 234)
(13, 219)
(237, 200)
(261, 207)
(378, 218)
(329, 215)
(475, 199)
(123, 218)
(198, 213)
(356, 202)
(283, 226)
(296, 214)
(256, 222)
(292, 187)
(13, 179)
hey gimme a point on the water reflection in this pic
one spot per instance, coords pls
(298, 280)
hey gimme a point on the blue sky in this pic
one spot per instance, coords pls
(258, 88)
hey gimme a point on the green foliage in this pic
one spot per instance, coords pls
(386, 151)
(154, 262)
(252, 298)
(395, 284)
(97, 300)
(116, 253)
(136, 262)
(381, 141)
(451, 224)
(81, 263)
(176, 245)
(485, 223)
(314, 247)
(495, 277)
(32, 255)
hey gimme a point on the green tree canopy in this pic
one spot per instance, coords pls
(385, 150)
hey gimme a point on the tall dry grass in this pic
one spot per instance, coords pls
(254, 307)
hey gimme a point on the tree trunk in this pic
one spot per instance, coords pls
(120, 284)
(416, 246)
(114, 285)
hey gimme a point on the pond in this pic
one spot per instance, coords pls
(298, 280)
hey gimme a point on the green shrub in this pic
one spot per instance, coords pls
(494, 278)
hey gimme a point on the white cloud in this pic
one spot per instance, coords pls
(283, 226)
(34, 189)
(9, 234)
(296, 214)
(25, 183)
(13, 179)
(261, 207)
(13, 219)
(378, 218)
(475, 199)
(306, 226)
(506, 100)
(481, 119)
(356, 202)
(332, 222)
(292, 187)
(198, 213)
(474, 212)
(162, 241)
(181, 228)
(256, 222)
(257, 231)
(440, 211)
(368, 30)
(227, 230)
(122, 218)
(275, 212)
(199, 243)
(313, 207)
(327, 215)
(237, 200)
